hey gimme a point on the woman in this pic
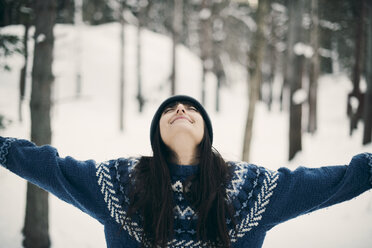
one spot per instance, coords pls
(185, 195)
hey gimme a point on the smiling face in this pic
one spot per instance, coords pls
(181, 121)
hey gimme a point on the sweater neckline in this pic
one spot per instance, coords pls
(183, 170)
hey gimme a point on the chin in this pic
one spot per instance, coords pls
(184, 135)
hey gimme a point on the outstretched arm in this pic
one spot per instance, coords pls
(70, 180)
(307, 189)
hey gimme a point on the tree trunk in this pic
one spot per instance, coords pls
(174, 59)
(144, 9)
(176, 31)
(78, 19)
(256, 55)
(218, 35)
(139, 66)
(295, 110)
(205, 44)
(314, 69)
(121, 69)
(284, 87)
(23, 74)
(356, 114)
(367, 134)
(220, 79)
(36, 226)
(26, 13)
(272, 62)
(294, 76)
(218, 87)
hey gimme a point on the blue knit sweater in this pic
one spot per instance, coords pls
(262, 198)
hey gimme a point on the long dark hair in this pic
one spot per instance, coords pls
(152, 197)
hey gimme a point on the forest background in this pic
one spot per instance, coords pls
(274, 52)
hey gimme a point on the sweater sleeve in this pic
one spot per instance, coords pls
(70, 180)
(307, 189)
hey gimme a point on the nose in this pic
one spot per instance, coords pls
(180, 109)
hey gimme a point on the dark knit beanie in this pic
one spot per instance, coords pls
(180, 98)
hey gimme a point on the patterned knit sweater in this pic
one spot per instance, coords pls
(262, 198)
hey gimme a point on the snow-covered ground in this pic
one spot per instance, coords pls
(87, 127)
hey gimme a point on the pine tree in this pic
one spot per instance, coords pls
(36, 226)
(256, 57)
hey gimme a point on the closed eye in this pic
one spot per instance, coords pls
(167, 110)
(192, 108)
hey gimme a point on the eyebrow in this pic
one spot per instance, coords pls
(172, 105)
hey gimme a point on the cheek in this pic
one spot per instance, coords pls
(200, 129)
(163, 130)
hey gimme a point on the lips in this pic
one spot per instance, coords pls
(180, 117)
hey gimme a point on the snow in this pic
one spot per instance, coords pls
(253, 3)
(40, 38)
(205, 14)
(281, 46)
(354, 102)
(278, 7)
(325, 52)
(330, 25)
(130, 18)
(25, 10)
(303, 49)
(208, 64)
(87, 127)
(299, 96)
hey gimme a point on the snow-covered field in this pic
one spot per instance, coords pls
(87, 127)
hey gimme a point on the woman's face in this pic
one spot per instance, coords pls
(181, 119)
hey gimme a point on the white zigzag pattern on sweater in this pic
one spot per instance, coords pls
(189, 244)
(238, 179)
(4, 149)
(250, 221)
(255, 214)
(186, 212)
(113, 204)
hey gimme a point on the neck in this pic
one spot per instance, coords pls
(185, 159)
(185, 153)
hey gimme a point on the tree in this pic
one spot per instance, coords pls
(141, 9)
(367, 116)
(9, 45)
(36, 226)
(205, 43)
(294, 76)
(98, 12)
(355, 112)
(256, 57)
(272, 57)
(218, 37)
(4, 122)
(140, 98)
(176, 31)
(78, 19)
(314, 68)
(122, 66)
(26, 19)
